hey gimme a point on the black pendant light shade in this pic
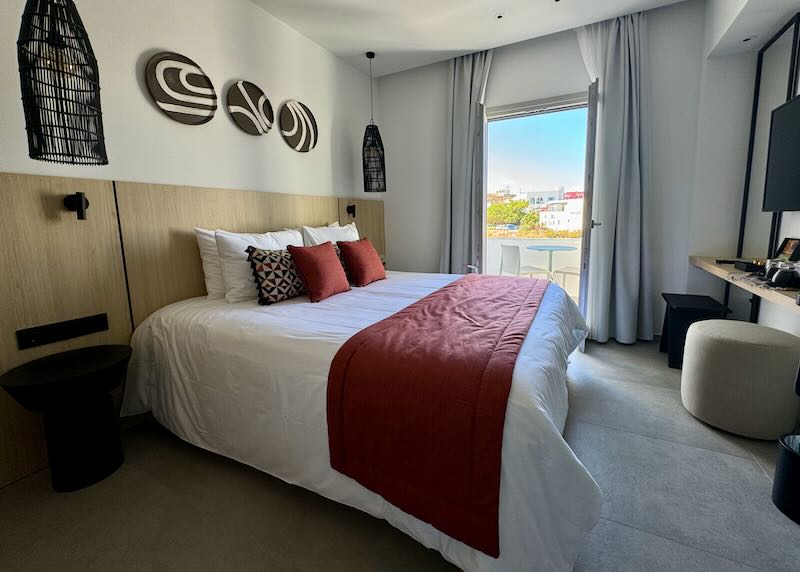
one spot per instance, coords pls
(374, 164)
(60, 85)
(372, 150)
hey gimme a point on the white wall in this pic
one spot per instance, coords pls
(413, 127)
(676, 52)
(723, 130)
(230, 40)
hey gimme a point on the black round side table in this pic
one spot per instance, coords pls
(73, 391)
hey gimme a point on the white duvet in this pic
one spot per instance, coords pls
(249, 382)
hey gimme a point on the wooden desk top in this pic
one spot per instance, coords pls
(730, 274)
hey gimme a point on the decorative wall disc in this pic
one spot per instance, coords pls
(249, 108)
(180, 88)
(298, 126)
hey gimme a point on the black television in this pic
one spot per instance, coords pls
(782, 187)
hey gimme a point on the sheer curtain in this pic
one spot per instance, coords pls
(620, 302)
(463, 208)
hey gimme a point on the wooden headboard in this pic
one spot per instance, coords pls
(161, 254)
(368, 219)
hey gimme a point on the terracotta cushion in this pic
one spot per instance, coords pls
(362, 261)
(320, 269)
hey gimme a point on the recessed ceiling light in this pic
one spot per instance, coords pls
(499, 16)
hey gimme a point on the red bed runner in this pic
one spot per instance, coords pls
(417, 402)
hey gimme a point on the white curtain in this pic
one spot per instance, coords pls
(620, 301)
(463, 208)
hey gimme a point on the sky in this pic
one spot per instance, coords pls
(538, 152)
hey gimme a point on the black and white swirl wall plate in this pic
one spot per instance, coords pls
(180, 88)
(250, 109)
(298, 126)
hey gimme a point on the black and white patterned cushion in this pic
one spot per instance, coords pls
(277, 278)
(341, 260)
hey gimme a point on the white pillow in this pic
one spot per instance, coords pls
(212, 266)
(239, 282)
(322, 234)
(333, 224)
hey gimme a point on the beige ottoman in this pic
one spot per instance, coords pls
(740, 377)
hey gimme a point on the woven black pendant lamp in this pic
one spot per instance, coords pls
(60, 85)
(372, 150)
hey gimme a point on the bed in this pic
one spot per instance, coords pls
(249, 382)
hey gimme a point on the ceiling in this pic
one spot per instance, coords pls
(754, 23)
(411, 33)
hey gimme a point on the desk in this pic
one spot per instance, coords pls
(730, 274)
(550, 249)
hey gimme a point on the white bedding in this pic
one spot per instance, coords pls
(249, 382)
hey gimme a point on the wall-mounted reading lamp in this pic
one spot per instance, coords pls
(351, 210)
(77, 203)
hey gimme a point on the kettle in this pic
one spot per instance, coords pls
(786, 276)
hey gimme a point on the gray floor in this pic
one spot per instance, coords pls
(679, 496)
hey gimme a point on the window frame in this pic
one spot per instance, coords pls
(538, 106)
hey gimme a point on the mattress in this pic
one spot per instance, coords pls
(250, 382)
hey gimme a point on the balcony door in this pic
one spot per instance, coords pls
(540, 169)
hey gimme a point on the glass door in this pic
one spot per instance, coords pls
(536, 203)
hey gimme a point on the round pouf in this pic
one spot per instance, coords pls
(740, 377)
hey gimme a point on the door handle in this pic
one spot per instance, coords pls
(595, 223)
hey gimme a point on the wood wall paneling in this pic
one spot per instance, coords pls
(161, 251)
(368, 219)
(54, 268)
